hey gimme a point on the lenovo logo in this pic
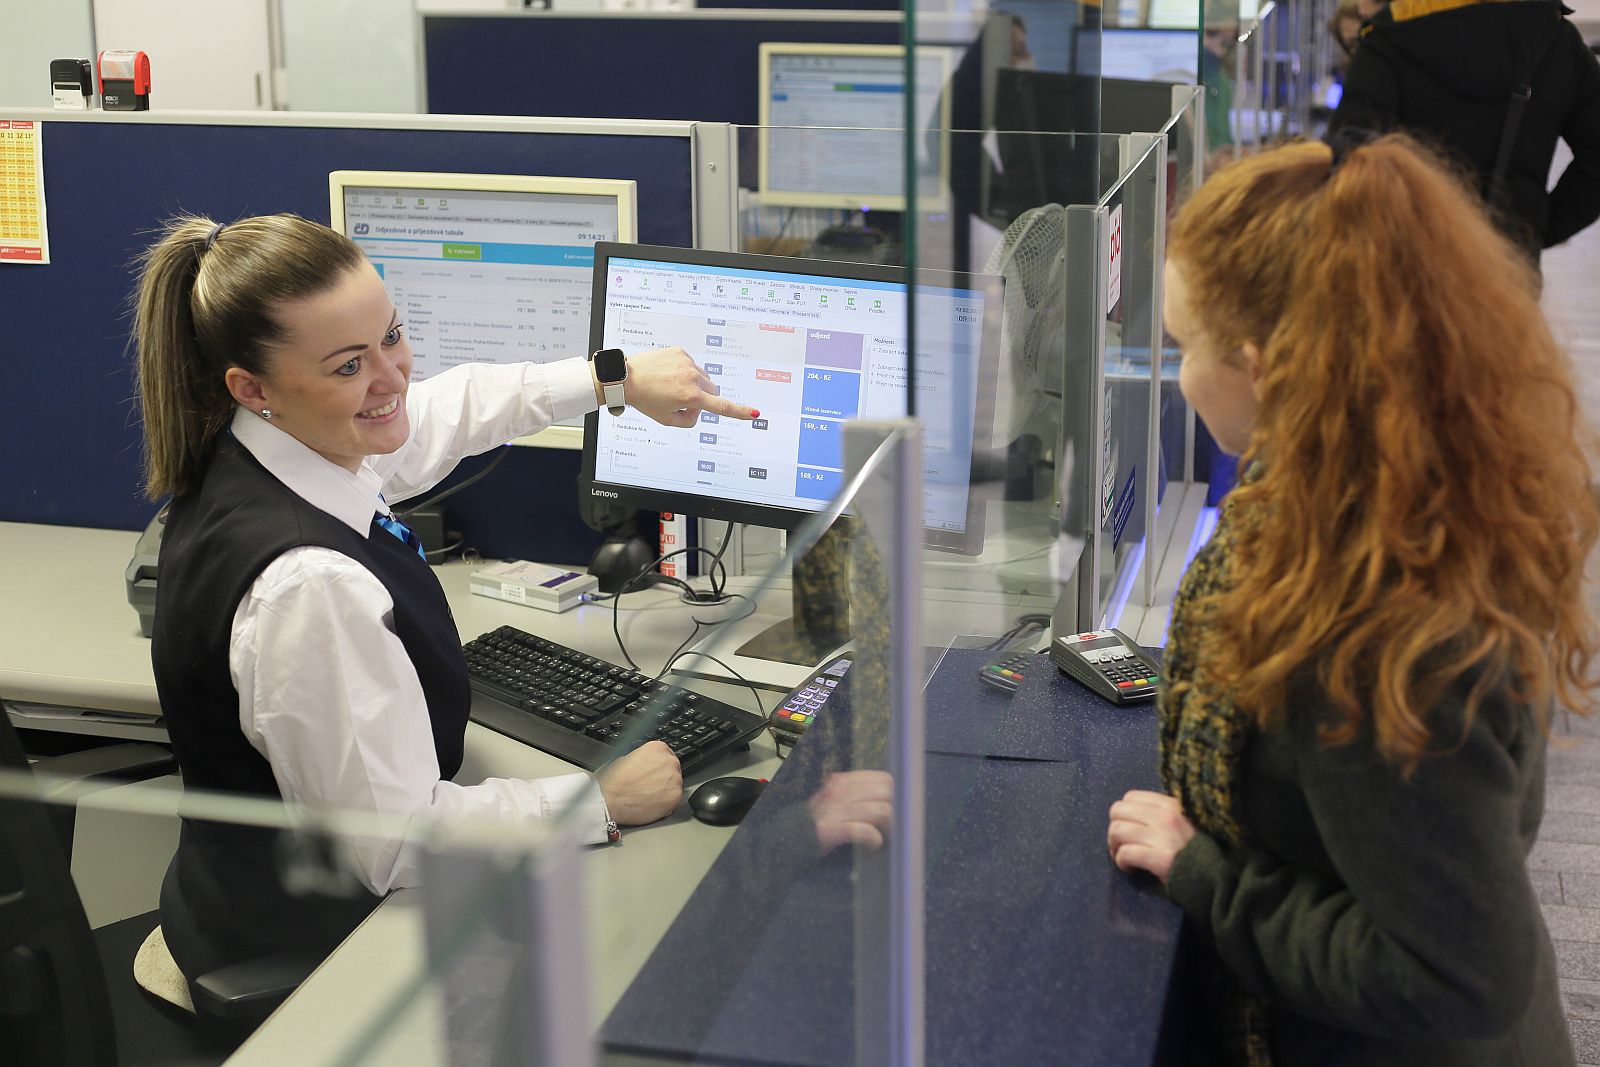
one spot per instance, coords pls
(603, 492)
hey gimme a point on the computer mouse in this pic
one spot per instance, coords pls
(724, 801)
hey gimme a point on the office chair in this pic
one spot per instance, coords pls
(67, 994)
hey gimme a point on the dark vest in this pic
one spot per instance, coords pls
(224, 899)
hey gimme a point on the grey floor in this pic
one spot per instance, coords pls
(1565, 863)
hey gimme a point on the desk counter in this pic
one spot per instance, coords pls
(73, 639)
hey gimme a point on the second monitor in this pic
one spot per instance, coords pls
(833, 118)
(487, 268)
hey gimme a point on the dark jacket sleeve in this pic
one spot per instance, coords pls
(1371, 94)
(1575, 201)
(1427, 929)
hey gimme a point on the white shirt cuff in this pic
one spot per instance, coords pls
(571, 388)
(579, 794)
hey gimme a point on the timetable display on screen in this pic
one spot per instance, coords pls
(484, 268)
(809, 351)
(1146, 54)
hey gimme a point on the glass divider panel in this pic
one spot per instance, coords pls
(1130, 227)
(696, 930)
(1084, 411)
(228, 906)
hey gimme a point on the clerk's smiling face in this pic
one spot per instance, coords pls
(337, 381)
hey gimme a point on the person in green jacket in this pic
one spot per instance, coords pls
(1363, 661)
(1216, 54)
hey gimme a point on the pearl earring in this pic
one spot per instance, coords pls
(266, 413)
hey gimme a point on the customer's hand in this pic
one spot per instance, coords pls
(852, 808)
(643, 786)
(666, 385)
(1147, 832)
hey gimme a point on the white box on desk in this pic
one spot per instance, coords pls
(533, 584)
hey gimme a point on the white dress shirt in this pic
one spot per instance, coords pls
(326, 691)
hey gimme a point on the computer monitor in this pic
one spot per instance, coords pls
(486, 268)
(1036, 114)
(1034, 109)
(1134, 105)
(1143, 54)
(810, 344)
(1184, 14)
(832, 127)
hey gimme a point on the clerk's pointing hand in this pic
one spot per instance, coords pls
(668, 386)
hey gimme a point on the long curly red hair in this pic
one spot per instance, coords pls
(1424, 509)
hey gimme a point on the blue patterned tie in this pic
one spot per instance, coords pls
(402, 531)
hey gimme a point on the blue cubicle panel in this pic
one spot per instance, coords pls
(699, 69)
(69, 426)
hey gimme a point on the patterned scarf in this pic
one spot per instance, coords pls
(1203, 737)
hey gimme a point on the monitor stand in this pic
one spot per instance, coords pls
(777, 653)
(622, 556)
(820, 622)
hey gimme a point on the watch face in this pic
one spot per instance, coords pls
(610, 365)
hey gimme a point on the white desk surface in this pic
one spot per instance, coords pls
(69, 635)
(71, 638)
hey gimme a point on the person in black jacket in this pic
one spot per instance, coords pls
(1446, 71)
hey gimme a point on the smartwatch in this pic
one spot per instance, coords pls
(611, 370)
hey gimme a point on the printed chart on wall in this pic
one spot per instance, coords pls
(23, 236)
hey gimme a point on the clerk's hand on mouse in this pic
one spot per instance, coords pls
(643, 786)
(668, 386)
(852, 808)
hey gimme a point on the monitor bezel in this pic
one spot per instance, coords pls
(624, 191)
(966, 542)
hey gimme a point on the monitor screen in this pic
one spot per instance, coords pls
(1185, 15)
(832, 122)
(1146, 55)
(810, 344)
(485, 268)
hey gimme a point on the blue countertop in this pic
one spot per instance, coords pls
(1038, 949)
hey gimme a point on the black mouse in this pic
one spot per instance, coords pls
(724, 801)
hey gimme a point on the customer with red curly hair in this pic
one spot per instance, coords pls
(1364, 659)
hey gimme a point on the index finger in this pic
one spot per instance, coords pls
(719, 405)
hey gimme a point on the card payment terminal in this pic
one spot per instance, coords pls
(1108, 662)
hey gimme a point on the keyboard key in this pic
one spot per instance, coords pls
(586, 709)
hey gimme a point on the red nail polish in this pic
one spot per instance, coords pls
(754, 414)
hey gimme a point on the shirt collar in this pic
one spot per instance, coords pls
(352, 498)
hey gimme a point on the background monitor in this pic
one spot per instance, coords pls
(832, 122)
(810, 343)
(1184, 14)
(1139, 54)
(1036, 111)
(486, 268)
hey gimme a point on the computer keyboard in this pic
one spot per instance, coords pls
(587, 710)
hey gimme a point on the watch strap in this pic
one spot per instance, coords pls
(612, 389)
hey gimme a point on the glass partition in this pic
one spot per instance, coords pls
(1282, 74)
(1004, 484)
(1173, 418)
(1054, 107)
(815, 904)
(84, 867)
